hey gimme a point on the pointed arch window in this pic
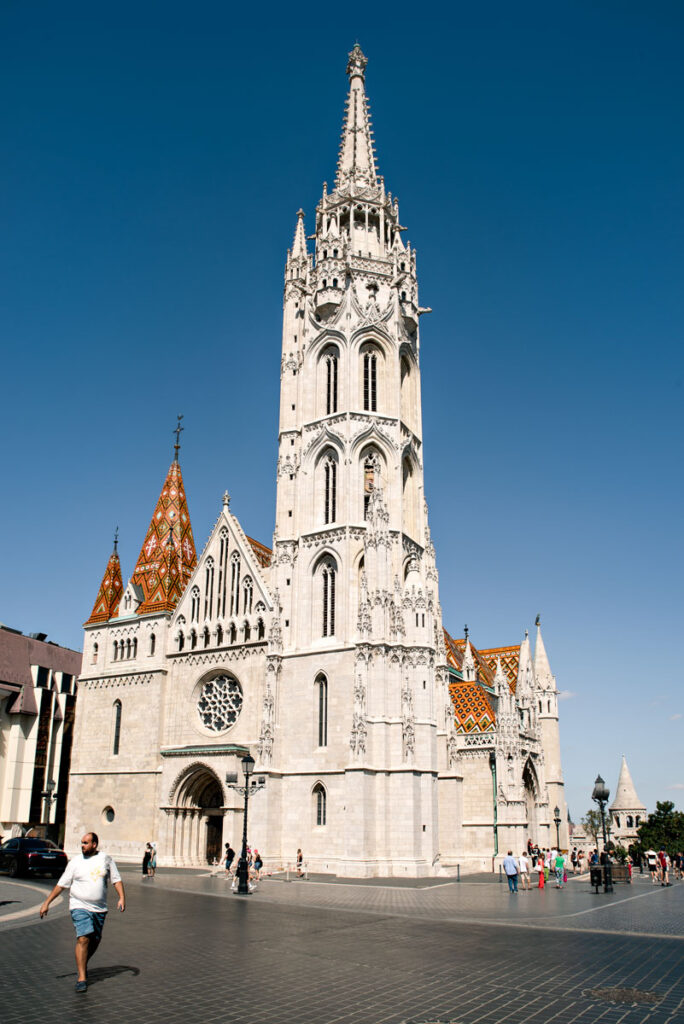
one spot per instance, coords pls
(322, 702)
(117, 728)
(247, 631)
(261, 630)
(371, 479)
(195, 605)
(234, 583)
(328, 574)
(115, 650)
(320, 804)
(331, 373)
(330, 489)
(233, 633)
(209, 588)
(135, 647)
(153, 643)
(193, 639)
(370, 381)
(206, 636)
(128, 648)
(223, 575)
(95, 652)
(247, 594)
(219, 636)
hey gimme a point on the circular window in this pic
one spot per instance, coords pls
(108, 814)
(220, 703)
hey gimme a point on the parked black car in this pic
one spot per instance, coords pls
(32, 857)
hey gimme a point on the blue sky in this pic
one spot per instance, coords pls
(153, 158)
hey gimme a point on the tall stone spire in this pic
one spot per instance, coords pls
(111, 588)
(542, 669)
(167, 557)
(626, 798)
(299, 244)
(356, 163)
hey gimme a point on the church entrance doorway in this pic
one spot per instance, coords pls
(197, 810)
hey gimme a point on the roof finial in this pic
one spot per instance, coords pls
(116, 540)
(465, 630)
(226, 499)
(178, 431)
(537, 621)
(356, 65)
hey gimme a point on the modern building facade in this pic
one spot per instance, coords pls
(37, 705)
(387, 747)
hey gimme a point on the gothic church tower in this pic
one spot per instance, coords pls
(350, 722)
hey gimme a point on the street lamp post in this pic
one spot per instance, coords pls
(557, 819)
(48, 795)
(250, 786)
(600, 796)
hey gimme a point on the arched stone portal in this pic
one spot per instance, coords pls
(196, 809)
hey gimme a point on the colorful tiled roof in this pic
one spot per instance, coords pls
(109, 594)
(472, 710)
(167, 557)
(510, 660)
(262, 553)
(455, 650)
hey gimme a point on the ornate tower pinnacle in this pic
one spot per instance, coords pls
(357, 155)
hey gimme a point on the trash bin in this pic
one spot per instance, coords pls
(596, 877)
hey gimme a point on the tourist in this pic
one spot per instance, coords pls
(258, 864)
(524, 865)
(541, 871)
(300, 864)
(229, 858)
(559, 866)
(510, 866)
(573, 859)
(580, 864)
(152, 866)
(86, 876)
(652, 862)
(664, 867)
(147, 857)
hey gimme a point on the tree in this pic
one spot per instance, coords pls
(591, 822)
(665, 827)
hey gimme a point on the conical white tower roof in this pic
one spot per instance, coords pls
(626, 798)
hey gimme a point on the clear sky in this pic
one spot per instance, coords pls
(153, 157)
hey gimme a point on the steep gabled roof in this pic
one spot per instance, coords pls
(472, 709)
(262, 553)
(109, 594)
(510, 661)
(167, 557)
(455, 650)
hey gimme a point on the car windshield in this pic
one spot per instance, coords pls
(38, 844)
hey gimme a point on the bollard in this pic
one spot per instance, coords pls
(458, 872)
(500, 873)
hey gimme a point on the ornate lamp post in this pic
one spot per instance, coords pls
(557, 819)
(600, 796)
(250, 786)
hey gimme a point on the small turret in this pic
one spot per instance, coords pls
(111, 588)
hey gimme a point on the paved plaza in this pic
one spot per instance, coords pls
(325, 951)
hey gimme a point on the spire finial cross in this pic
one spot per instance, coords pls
(116, 540)
(178, 431)
(466, 631)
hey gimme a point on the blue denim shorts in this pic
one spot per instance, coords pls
(88, 922)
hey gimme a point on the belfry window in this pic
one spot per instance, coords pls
(331, 368)
(153, 643)
(209, 588)
(330, 487)
(322, 700)
(117, 727)
(328, 575)
(371, 473)
(370, 382)
(195, 605)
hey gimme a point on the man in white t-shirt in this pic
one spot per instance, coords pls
(86, 878)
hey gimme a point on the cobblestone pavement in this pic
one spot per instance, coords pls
(187, 950)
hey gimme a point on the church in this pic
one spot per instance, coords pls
(387, 747)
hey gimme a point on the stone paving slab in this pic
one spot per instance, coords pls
(190, 956)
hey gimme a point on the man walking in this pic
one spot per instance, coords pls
(86, 877)
(510, 866)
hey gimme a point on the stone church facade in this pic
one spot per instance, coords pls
(387, 747)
